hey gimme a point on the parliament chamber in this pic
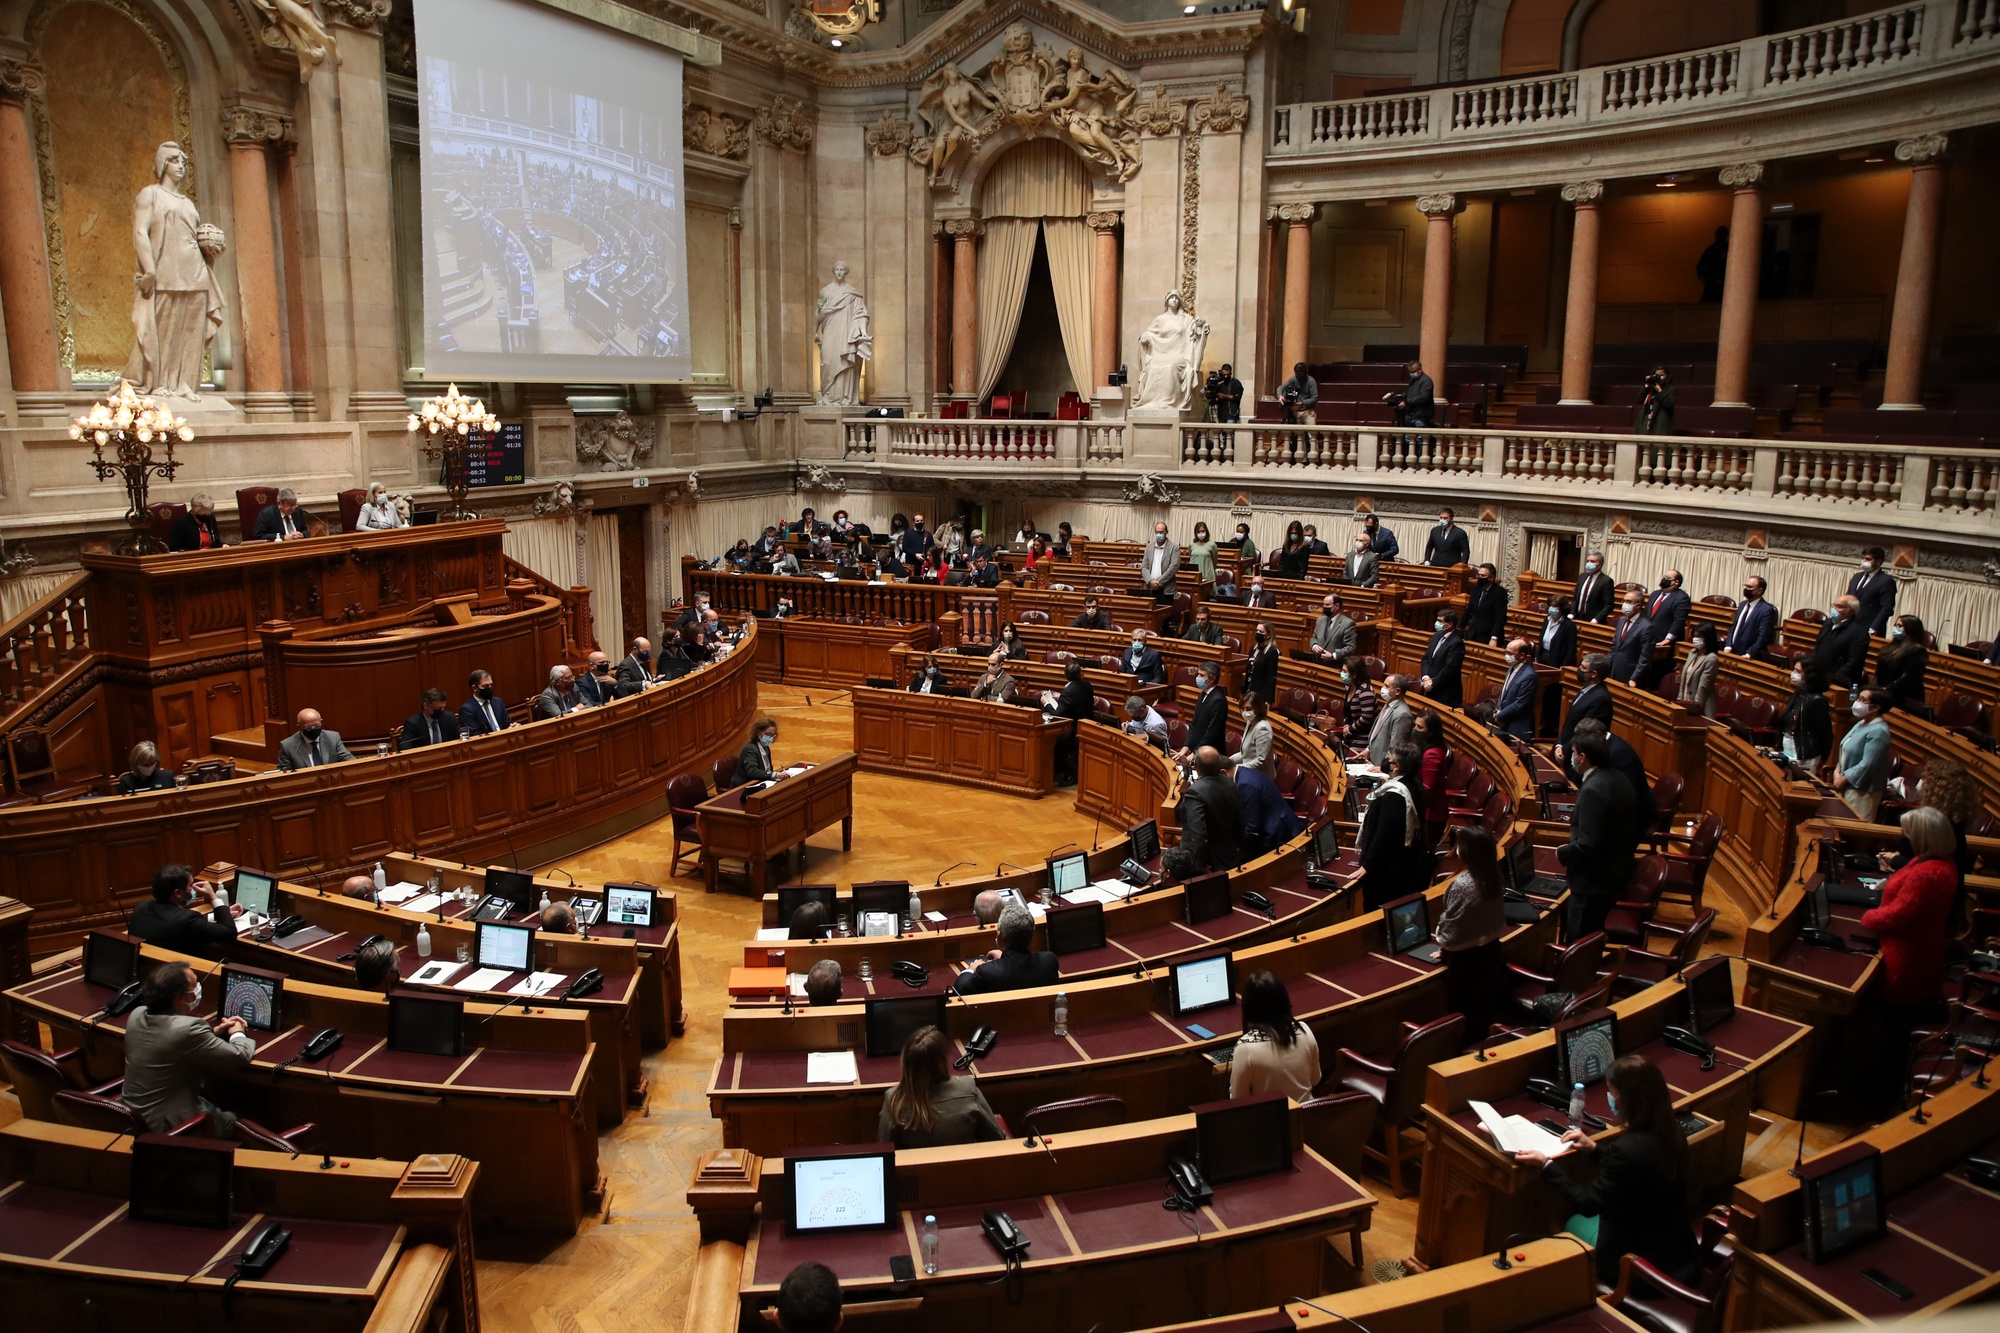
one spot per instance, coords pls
(999, 665)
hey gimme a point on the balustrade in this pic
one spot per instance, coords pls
(1428, 451)
(1103, 443)
(1835, 48)
(1851, 474)
(1978, 21)
(39, 646)
(1208, 446)
(1962, 483)
(1559, 457)
(1370, 120)
(1691, 77)
(860, 439)
(1717, 465)
(1524, 102)
(1303, 446)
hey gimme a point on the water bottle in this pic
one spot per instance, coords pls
(381, 878)
(1576, 1105)
(423, 940)
(545, 902)
(1062, 1016)
(930, 1241)
(221, 896)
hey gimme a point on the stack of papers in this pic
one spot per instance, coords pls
(1363, 770)
(485, 979)
(428, 902)
(434, 973)
(539, 983)
(771, 934)
(796, 983)
(832, 1067)
(1513, 1133)
(401, 892)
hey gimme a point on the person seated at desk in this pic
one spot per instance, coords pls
(1276, 1052)
(167, 1049)
(693, 612)
(196, 530)
(432, 724)
(557, 919)
(810, 921)
(375, 967)
(1091, 617)
(1211, 814)
(928, 1107)
(783, 610)
(1141, 719)
(358, 886)
(692, 645)
(379, 513)
(995, 685)
(786, 563)
(1077, 703)
(753, 761)
(984, 574)
(928, 679)
(597, 687)
(635, 673)
(809, 1300)
(1259, 597)
(1203, 628)
(986, 906)
(283, 521)
(1635, 1203)
(1009, 642)
(312, 745)
(823, 983)
(1014, 965)
(1269, 822)
(1143, 661)
(145, 773)
(1395, 859)
(484, 713)
(769, 544)
(167, 919)
(560, 698)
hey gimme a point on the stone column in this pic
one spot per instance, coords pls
(292, 247)
(964, 233)
(1103, 303)
(1580, 317)
(1435, 339)
(940, 316)
(25, 294)
(1739, 285)
(1296, 342)
(1916, 274)
(357, 101)
(247, 130)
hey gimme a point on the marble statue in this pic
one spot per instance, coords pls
(178, 310)
(1170, 358)
(955, 111)
(294, 22)
(840, 323)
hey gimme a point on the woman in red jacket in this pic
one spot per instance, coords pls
(1911, 922)
(1436, 763)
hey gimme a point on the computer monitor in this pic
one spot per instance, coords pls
(1711, 995)
(1326, 844)
(1406, 923)
(1843, 1200)
(426, 1025)
(110, 959)
(1585, 1047)
(1206, 897)
(889, 1023)
(628, 905)
(1068, 873)
(881, 895)
(516, 886)
(183, 1182)
(510, 948)
(1520, 865)
(1235, 1140)
(794, 896)
(1201, 983)
(1819, 907)
(253, 891)
(1145, 840)
(252, 995)
(828, 1190)
(1075, 928)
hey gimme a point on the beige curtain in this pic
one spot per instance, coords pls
(18, 594)
(1005, 255)
(606, 610)
(545, 545)
(1041, 178)
(1070, 264)
(1544, 553)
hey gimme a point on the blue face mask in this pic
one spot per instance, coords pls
(1612, 1097)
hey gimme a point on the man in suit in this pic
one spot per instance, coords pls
(1209, 726)
(1519, 692)
(769, 544)
(1447, 545)
(1260, 596)
(169, 1045)
(196, 530)
(1842, 645)
(283, 521)
(977, 547)
(1076, 699)
(1593, 699)
(1334, 637)
(915, 540)
(1269, 822)
(693, 612)
(1162, 562)
(1143, 661)
(485, 712)
(1486, 607)
(1622, 759)
(1668, 609)
(1015, 965)
(1875, 588)
(1416, 405)
(1314, 546)
(1603, 835)
(1631, 642)
(983, 573)
(560, 697)
(1591, 601)
(597, 687)
(433, 723)
(1091, 617)
(753, 761)
(1380, 539)
(1756, 622)
(1211, 814)
(1363, 567)
(996, 686)
(635, 673)
(1443, 667)
(1392, 724)
(311, 745)
(169, 919)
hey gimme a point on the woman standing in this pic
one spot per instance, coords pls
(1394, 860)
(1201, 553)
(1863, 772)
(1261, 674)
(1698, 672)
(1900, 667)
(1911, 922)
(1362, 701)
(1436, 762)
(1557, 646)
(1805, 728)
(1256, 743)
(1246, 549)
(1294, 557)
(928, 1108)
(1469, 930)
(1276, 1052)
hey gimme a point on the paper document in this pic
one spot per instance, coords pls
(434, 973)
(1513, 1133)
(936, 918)
(796, 983)
(429, 902)
(832, 1067)
(401, 893)
(539, 983)
(1092, 893)
(486, 978)
(769, 934)
(1363, 770)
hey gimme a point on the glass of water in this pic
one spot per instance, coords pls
(464, 954)
(867, 971)
(382, 750)
(840, 925)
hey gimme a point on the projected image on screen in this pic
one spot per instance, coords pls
(554, 227)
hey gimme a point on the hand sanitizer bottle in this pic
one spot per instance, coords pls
(423, 940)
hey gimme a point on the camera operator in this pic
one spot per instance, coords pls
(1225, 394)
(1416, 405)
(1655, 415)
(1300, 395)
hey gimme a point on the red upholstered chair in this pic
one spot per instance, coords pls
(350, 508)
(250, 502)
(1287, 776)
(1626, 922)
(1336, 1127)
(113, 1115)
(38, 1076)
(160, 520)
(957, 410)
(1667, 790)
(253, 1135)
(1657, 1302)
(1663, 951)
(32, 765)
(685, 791)
(1965, 715)
(1299, 703)
(1397, 1084)
(1687, 869)
(1096, 1111)
(725, 772)
(1567, 967)
(1176, 735)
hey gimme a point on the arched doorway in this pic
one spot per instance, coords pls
(1035, 275)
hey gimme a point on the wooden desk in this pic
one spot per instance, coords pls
(1474, 1197)
(818, 650)
(383, 1245)
(967, 742)
(754, 826)
(1123, 780)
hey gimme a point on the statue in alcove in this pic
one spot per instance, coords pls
(1170, 357)
(178, 310)
(840, 322)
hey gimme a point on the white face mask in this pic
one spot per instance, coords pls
(1438, 626)
(1590, 566)
(195, 1000)
(1631, 608)
(1201, 682)
(1384, 692)
(1860, 708)
(1249, 718)
(1137, 644)
(1798, 679)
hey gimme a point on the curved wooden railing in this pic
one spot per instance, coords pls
(44, 649)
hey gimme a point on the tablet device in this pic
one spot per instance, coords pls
(889, 1023)
(1206, 897)
(631, 904)
(511, 948)
(794, 896)
(1068, 873)
(253, 891)
(251, 995)
(1201, 983)
(516, 886)
(183, 1182)
(1075, 928)
(882, 895)
(827, 1190)
(1710, 994)
(1406, 923)
(1843, 1204)
(1236, 1140)
(110, 959)
(1585, 1047)
(1326, 844)
(1145, 840)
(426, 1025)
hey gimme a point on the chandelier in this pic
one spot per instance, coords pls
(453, 425)
(128, 426)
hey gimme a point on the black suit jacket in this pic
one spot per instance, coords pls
(1262, 675)
(1639, 1204)
(1262, 597)
(633, 674)
(1842, 648)
(1210, 725)
(417, 731)
(271, 523)
(1485, 618)
(1591, 599)
(1393, 869)
(1012, 970)
(1145, 664)
(472, 716)
(1877, 592)
(1625, 760)
(1668, 610)
(597, 691)
(1447, 546)
(1592, 701)
(1211, 817)
(1084, 620)
(174, 927)
(1560, 651)
(1603, 835)
(186, 534)
(1632, 648)
(1076, 701)
(751, 764)
(988, 577)
(1444, 663)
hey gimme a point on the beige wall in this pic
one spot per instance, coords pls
(1368, 275)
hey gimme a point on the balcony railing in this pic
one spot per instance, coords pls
(1759, 71)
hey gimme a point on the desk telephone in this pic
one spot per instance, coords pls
(322, 1045)
(124, 1002)
(1134, 874)
(1258, 902)
(1688, 1043)
(980, 1044)
(1006, 1237)
(288, 925)
(1549, 1095)
(1190, 1187)
(266, 1244)
(909, 973)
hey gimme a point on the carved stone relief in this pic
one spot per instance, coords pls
(784, 124)
(1221, 112)
(705, 130)
(615, 443)
(891, 135)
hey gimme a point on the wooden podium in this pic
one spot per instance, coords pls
(754, 826)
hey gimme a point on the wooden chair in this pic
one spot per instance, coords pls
(1299, 704)
(32, 765)
(1667, 790)
(684, 792)
(725, 772)
(350, 508)
(160, 520)
(1646, 965)
(1659, 1303)
(1566, 967)
(253, 1135)
(1336, 1127)
(1687, 870)
(1626, 922)
(38, 1075)
(1397, 1084)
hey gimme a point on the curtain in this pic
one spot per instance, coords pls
(545, 545)
(1070, 269)
(18, 594)
(1544, 553)
(607, 611)
(1005, 256)
(1041, 178)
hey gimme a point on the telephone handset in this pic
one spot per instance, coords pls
(356, 951)
(124, 1002)
(1134, 874)
(1688, 1043)
(980, 1044)
(913, 974)
(1006, 1237)
(290, 925)
(322, 1045)
(1823, 939)
(1190, 1187)
(268, 1242)
(1258, 902)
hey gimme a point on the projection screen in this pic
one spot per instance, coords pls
(555, 234)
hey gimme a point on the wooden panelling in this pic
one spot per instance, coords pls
(997, 746)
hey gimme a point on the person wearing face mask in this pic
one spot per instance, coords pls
(1631, 642)
(1805, 728)
(1261, 672)
(1486, 607)
(1591, 600)
(1209, 725)
(1142, 719)
(433, 722)
(1557, 645)
(1603, 836)
(1667, 610)
(485, 712)
(379, 513)
(1862, 774)
(1203, 628)
(1362, 701)
(1592, 699)
(1842, 645)
(1363, 567)
(1211, 814)
(1755, 623)
(1334, 636)
(928, 679)
(1076, 703)
(915, 540)
(1143, 661)
(1416, 405)
(1697, 682)
(1258, 596)
(1395, 859)
(1380, 539)
(1447, 545)
(168, 1049)
(145, 773)
(1009, 643)
(1874, 588)
(1091, 617)
(311, 745)
(196, 530)
(786, 563)
(560, 698)
(1294, 560)
(1314, 546)
(1518, 692)
(995, 685)
(1393, 722)
(1162, 562)
(1442, 672)
(1900, 668)
(983, 574)
(172, 920)
(1245, 548)
(636, 673)
(753, 761)
(1255, 751)
(1201, 553)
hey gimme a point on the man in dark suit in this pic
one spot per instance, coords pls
(597, 686)
(983, 573)
(1842, 645)
(1258, 595)
(1015, 965)
(1875, 588)
(1160, 564)
(769, 544)
(1603, 835)
(1668, 609)
(1363, 567)
(1444, 661)
(1091, 617)
(560, 697)
(915, 540)
(1314, 546)
(1447, 545)
(283, 521)
(1211, 814)
(311, 746)
(1518, 692)
(1076, 699)
(1623, 760)
(977, 547)
(753, 761)
(1210, 724)
(635, 673)
(1416, 405)
(1143, 661)
(1756, 622)
(1486, 608)
(432, 724)
(167, 919)
(1591, 602)
(196, 529)
(1631, 642)
(1593, 699)
(1269, 822)
(1334, 636)
(485, 712)
(1380, 539)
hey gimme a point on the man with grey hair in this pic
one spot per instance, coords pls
(986, 906)
(1142, 719)
(1014, 965)
(283, 521)
(560, 697)
(1392, 725)
(823, 983)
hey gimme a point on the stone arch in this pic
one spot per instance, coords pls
(968, 175)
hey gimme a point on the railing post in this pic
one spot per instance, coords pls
(1939, 22)
(1440, 113)
(1367, 444)
(1242, 449)
(1625, 463)
(1763, 469)
(1070, 452)
(1492, 456)
(1916, 482)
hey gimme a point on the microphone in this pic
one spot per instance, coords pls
(1501, 1261)
(1917, 1117)
(1066, 847)
(1095, 824)
(516, 862)
(1009, 865)
(1487, 1040)
(1046, 1145)
(1300, 1300)
(938, 883)
(1800, 1155)
(558, 870)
